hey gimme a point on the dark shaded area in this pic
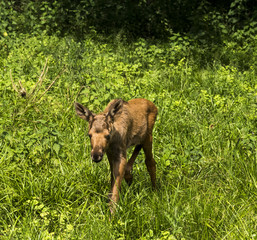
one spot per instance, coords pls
(205, 19)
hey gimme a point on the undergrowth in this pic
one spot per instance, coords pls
(204, 141)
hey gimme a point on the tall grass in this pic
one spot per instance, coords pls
(204, 145)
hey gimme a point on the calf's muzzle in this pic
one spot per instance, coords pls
(97, 155)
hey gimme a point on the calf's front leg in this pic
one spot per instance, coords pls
(118, 166)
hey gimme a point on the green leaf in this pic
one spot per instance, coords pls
(56, 148)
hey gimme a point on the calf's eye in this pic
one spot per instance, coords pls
(107, 136)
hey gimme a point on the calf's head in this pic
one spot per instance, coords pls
(100, 127)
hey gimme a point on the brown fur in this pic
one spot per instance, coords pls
(121, 125)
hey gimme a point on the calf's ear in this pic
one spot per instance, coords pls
(115, 107)
(83, 112)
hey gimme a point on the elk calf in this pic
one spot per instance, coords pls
(121, 125)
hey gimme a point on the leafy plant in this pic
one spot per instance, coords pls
(204, 140)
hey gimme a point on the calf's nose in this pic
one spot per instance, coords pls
(97, 156)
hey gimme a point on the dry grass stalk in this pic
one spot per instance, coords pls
(14, 86)
(41, 78)
(22, 90)
(52, 83)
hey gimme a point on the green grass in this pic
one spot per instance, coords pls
(204, 144)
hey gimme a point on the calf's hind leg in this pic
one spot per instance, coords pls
(128, 171)
(149, 160)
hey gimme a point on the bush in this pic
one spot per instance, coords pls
(206, 21)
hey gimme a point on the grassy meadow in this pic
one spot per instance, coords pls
(204, 140)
